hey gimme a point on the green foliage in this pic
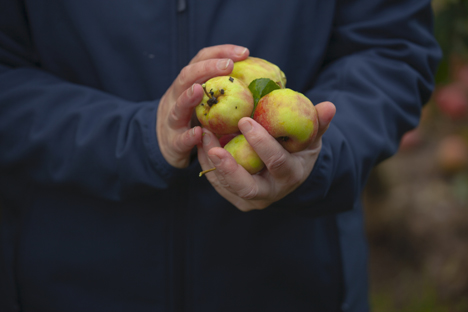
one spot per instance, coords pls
(451, 31)
(423, 299)
(261, 87)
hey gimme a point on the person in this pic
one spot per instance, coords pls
(102, 206)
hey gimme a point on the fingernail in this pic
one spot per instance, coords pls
(223, 64)
(190, 93)
(240, 50)
(206, 139)
(192, 133)
(215, 160)
(245, 126)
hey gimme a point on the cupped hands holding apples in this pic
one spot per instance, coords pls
(176, 138)
(276, 150)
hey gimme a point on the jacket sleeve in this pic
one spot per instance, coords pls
(56, 133)
(378, 71)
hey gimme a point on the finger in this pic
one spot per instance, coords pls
(230, 51)
(278, 161)
(325, 111)
(187, 140)
(181, 113)
(234, 178)
(209, 141)
(200, 72)
(228, 174)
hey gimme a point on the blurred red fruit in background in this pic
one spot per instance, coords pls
(410, 140)
(452, 100)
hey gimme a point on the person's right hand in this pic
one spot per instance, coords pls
(176, 138)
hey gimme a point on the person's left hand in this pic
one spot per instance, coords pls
(284, 171)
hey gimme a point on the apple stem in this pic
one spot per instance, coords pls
(206, 171)
(212, 100)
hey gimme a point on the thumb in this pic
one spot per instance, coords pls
(325, 113)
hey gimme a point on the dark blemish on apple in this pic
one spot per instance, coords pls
(231, 79)
(222, 91)
(236, 107)
(212, 101)
(284, 138)
(205, 114)
(202, 104)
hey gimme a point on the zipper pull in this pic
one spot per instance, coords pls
(181, 6)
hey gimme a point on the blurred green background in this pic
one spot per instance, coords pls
(416, 203)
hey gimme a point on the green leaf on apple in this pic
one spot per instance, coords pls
(261, 87)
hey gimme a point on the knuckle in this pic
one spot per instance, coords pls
(173, 116)
(183, 75)
(207, 66)
(276, 161)
(257, 141)
(202, 53)
(222, 181)
(177, 144)
(248, 193)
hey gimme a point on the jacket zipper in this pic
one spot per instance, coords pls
(179, 212)
(182, 34)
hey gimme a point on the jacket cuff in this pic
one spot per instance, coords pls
(166, 171)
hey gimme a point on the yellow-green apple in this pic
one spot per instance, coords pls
(224, 139)
(290, 117)
(244, 154)
(253, 68)
(225, 102)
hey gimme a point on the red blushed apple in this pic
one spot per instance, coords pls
(225, 139)
(452, 100)
(290, 117)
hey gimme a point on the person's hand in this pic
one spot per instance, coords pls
(176, 138)
(284, 171)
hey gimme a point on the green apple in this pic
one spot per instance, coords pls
(288, 116)
(225, 102)
(253, 68)
(244, 154)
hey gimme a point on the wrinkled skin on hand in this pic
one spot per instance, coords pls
(284, 171)
(176, 137)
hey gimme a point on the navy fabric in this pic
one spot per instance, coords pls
(93, 217)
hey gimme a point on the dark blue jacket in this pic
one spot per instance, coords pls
(94, 219)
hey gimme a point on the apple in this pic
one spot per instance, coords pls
(290, 117)
(224, 139)
(244, 154)
(253, 67)
(452, 100)
(225, 102)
